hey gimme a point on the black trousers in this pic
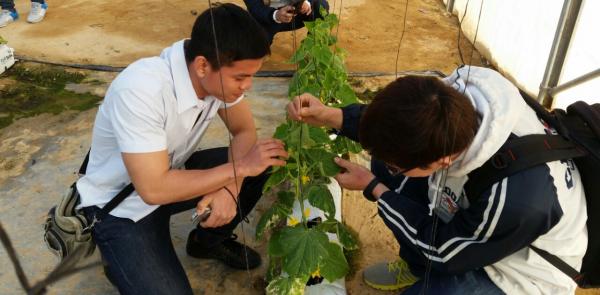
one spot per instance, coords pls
(251, 191)
(139, 256)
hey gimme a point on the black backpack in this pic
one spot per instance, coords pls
(578, 138)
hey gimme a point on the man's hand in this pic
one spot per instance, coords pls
(309, 109)
(306, 8)
(222, 205)
(285, 14)
(353, 176)
(265, 153)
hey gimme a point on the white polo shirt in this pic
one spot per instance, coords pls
(151, 106)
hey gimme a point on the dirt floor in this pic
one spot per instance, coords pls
(38, 155)
(117, 32)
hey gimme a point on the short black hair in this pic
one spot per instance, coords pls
(239, 36)
(417, 120)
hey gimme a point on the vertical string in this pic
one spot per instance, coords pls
(235, 175)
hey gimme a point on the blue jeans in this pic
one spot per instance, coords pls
(10, 4)
(471, 282)
(474, 282)
(139, 256)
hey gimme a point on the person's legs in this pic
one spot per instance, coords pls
(8, 14)
(474, 282)
(7, 5)
(139, 256)
(38, 11)
(212, 242)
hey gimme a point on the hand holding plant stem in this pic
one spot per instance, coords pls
(308, 109)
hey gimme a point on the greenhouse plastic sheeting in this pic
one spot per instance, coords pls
(516, 36)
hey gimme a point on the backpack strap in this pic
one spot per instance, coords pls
(516, 155)
(558, 263)
(114, 202)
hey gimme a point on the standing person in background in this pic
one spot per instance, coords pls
(285, 18)
(9, 14)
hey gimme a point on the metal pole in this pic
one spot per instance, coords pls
(450, 6)
(560, 45)
(589, 76)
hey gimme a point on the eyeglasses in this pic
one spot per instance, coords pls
(394, 170)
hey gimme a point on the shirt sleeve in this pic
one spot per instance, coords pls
(138, 121)
(261, 12)
(351, 119)
(506, 218)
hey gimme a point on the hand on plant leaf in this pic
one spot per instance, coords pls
(265, 153)
(223, 208)
(310, 110)
(353, 176)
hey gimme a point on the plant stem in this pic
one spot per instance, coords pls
(299, 191)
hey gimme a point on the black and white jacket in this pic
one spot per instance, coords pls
(544, 206)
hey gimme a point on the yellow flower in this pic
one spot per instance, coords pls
(293, 221)
(315, 274)
(305, 179)
(306, 212)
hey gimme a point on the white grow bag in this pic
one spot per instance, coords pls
(326, 287)
(7, 58)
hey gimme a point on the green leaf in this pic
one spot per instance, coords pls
(304, 248)
(267, 221)
(345, 95)
(282, 131)
(318, 134)
(279, 211)
(276, 248)
(306, 140)
(276, 178)
(329, 225)
(320, 197)
(324, 160)
(286, 199)
(334, 265)
(346, 238)
(287, 286)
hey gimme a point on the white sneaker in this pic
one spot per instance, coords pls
(7, 17)
(37, 13)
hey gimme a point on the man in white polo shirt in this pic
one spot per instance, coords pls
(146, 133)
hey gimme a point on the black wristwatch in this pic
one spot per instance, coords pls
(368, 191)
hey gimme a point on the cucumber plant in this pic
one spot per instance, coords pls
(297, 251)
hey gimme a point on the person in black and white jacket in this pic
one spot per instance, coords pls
(421, 131)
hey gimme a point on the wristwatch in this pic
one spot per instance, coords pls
(368, 191)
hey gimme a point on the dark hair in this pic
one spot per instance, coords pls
(239, 36)
(415, 121)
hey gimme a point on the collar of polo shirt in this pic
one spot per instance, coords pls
(184, 91)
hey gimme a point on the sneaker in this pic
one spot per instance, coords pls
(37, 13)
(390, 276)
(230, 252)
(7, 17)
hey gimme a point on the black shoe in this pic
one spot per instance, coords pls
(230, 252)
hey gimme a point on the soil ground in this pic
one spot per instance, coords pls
(117, 32)
(39, 155)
